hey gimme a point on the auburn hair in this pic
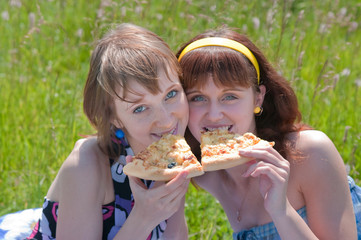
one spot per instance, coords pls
(228, 67)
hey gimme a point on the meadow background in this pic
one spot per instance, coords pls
(45, 47)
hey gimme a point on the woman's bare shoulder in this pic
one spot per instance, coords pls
(311, 142)
(316, 154)
(85, 166)
(86, 151)
(319, 174)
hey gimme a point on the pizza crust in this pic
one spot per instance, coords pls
(224, 161)
(164, 159)
(220, 148)
(136, 168)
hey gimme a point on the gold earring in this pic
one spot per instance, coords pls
(258, 111)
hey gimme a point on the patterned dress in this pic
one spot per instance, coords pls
(114, 213)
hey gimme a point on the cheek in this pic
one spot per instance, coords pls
(180, 110)
(132, 124)
(184, 109)
(194, 122)
(194, 115)
(182, 114)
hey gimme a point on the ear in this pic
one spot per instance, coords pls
(260, 95)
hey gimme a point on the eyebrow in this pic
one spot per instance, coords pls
(191, 92)
(131, 103)
(137, 99)
(234, 89)
(140, 96)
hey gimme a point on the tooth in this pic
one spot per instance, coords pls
(220, 128)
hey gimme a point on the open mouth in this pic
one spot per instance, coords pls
(173, 132)
(210, 129)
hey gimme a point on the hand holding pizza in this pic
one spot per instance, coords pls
(273, 172)
(161, 201)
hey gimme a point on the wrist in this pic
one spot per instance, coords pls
(282, 212)
(142, 220)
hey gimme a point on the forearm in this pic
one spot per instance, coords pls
(135, 227)
(290, 225)
(176, 225)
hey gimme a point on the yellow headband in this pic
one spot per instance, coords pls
(222, 42)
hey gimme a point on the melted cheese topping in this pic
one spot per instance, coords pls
(168, 152)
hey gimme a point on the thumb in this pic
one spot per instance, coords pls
(136, 184)
(128, 158)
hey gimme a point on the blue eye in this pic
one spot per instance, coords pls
(171, 94)
(197, 99)
(139, 109)
(229, 97)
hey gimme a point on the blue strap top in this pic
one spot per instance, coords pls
(267, 231)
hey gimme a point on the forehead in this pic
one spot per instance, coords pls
(135, 89)
(226, 66)
(210, 84)
(220, 80)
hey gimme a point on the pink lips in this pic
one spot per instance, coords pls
(173, 132)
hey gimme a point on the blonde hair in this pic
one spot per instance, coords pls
(126, 53)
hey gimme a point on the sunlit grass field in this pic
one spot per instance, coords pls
(45, 47)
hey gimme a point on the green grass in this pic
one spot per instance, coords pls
(44, 55)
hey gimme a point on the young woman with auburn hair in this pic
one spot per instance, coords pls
(297, 190)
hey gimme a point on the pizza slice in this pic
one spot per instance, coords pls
(164, 159)
(220, 148)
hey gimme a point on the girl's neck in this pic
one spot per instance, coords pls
(241, 199)
(233, 176)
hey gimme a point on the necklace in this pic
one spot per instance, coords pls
(231, 187)
(239, 216)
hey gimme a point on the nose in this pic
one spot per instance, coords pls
(214, 113)
(164, 117)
